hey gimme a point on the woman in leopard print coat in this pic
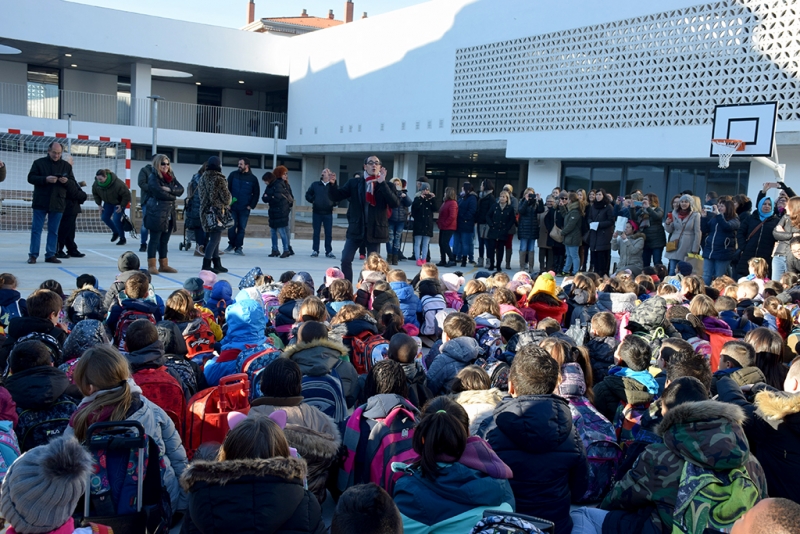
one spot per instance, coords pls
(214, 196)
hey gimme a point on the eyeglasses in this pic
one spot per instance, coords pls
(165, 163)
(563, 198)
(373, 162)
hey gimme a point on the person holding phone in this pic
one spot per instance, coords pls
(649, 218)
(322, 212)
(601, 213)
(720, 246)
(530, 206)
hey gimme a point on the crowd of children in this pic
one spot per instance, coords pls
(425, 403)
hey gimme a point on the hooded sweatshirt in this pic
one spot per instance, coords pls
(319, 357)
(454, 355)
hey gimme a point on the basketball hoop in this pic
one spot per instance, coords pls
(726, 148)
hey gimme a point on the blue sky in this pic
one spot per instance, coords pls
(233, 13)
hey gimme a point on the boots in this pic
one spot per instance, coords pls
(218, 268)
(151, 266)
(163, 266)
(508, 258)
(523, 260)
(393, 259)
(207, 265)
(198, 250)
(479, 262)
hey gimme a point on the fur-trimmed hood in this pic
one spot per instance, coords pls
(479, 396)
(774, 407)
(317, 357)
(229, 470)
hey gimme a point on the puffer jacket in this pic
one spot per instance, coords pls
(579, 307)
(144, 175)
(245, 322)
(760, 245)
(85, 335)
(572, 226)
(115, 193)
(479, 405)
(600, 239)
(422, 211)
(721, 240)
(400, 213)
(500, 220)
(243, 186)
(258, 496)
(740, 375)
(601, 354)
(317, 196)
(214, 194)
(454, 356)
(782, 238)
(279, 197)
(22, 326)
(467, 212)
(409, 301)
(630, 252)
(616, 302)
(365, 221)
(161, 215)
(529, 212)
(448, 215)
(320, 357)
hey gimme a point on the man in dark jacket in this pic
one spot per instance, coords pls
(367, 214)
(245, 191)
(144, 174)
(321, 212)
(532, 433)
(485, 205)
(66, 229)
(49, 177)
(465, 227)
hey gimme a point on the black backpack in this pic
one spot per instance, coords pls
(38, 427)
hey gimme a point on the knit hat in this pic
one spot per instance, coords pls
(545, 283)
(422, 180)
(685, 268)
(42, 487)
(481, 274)
(332, 274)
(128, 261)
(633, 225)
(209, 279)
(452, 282)
(305, 278)
(214, 164)
(523, 278)
(424, 186)
(195, 287)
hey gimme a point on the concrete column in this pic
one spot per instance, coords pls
(406, 166)
(544, 175)
(141, 88)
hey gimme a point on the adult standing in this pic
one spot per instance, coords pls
(321, 213)
(112, 196)
(422, 211)
(397, 220)
(555, 219)
(163, 189)
(530, 207)
(683, 226)
(720, 246)
(572, 234)
(788, 227)
(513, 231)
(545, 249)
(465, 228)
(191, 218)
(69, 220)
(601, 228)
(755, 237)
(650, 219)
(144, 176)
(49, 177)
(501, 219)
(244, 189)
(485, 205)
(367, 213)
(279, 197)
(448, 222)
(215, 198)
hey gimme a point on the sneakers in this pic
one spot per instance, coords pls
(52, 259)
(314, 254)
(274, 253)
(330, 255)
(230, 248)
(143, 247)
(286, 254)
(238, 251)
(114, 236)
(420, 263)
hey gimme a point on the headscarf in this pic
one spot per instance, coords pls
(764, 216)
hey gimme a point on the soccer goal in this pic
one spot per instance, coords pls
(18, 150)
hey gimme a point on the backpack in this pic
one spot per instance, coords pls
(490, 341)
(600, 442)
(502, 522)
(124, 321)
(200, 340)
(431, 305)
(252, 361)
(377, 443)
(8, 312)
(38, 427)
(163, 390)
(9, 447)
(366, 349)
(207, 415)
(498, 372)
(453, 300)
(325, 392)
(183, 368)
(633, 422)
(47, 339)
(653, 337)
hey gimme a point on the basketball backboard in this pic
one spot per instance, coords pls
(752, 123)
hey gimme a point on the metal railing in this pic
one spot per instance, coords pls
(47, 102)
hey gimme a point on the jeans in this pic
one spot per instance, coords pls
(112, 219)
(587, 520)
(317, 221)
(527, 245)
(395, 237)
(463, 245)
(351, 246)
(236, 232)
(673, 266)
(284, 233)
(573, 262)
(654, 253)
(53, 221)
(714, 269)
(421, 243)
(159, 242)
(143, 231)
(778, 266)
(212, 245)
(444, 246)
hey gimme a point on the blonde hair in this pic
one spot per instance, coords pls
(747, 290)
(157, 159)
(474, 286)
(793, 211)
(449, 193)
(702, 306)
(428, 271)
(396, 275)
(498, 280)
(759, 267)
(314, 309)
(179, 307)
(731, 291)
(484, 304)
(341, 290)
(376, 263)
(349, 312)
(666, 289)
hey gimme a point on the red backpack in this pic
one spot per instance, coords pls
(207, 416)
(124, 321)
(200, 340)
(163, 390)
(363, 346)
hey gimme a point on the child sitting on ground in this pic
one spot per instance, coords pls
(746, 296)
(726, 307)
(404, 350)
(366, 509)
(133, 305)
(472, 290)
(341, 292)
(602, 344)
(375, 270)
(44, 308)
(459, 349)
(431, 302)
(11, 302)
(759, 269)
(409, 301)
(452, 283)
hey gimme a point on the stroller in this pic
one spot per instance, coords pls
(188, 235)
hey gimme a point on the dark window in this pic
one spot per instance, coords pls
(198, 157)
(145, 152)
(232, 160)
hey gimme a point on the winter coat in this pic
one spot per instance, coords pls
(601, 354)
(721, 240)
(500, 220)
(116, 193)
(782, 238)
(654, 236)
(214, 194)
(572, 226)
(555, 217)
(22, 326)
(342, 332)
(245, 321)
(760, 245)
(448, 215)
(579, 308)
(50, 197)
(317, 196)
(773, 431)
(244, 187)
(320, 357)
(8, 409)
(409, 301)
(740, 375)
(616, 302)
(615, 389)
(75, 197)
(400, 213)
(85, 335)
(422, 211)
(12, 298)
(279, 197)
(251, 496)
(454, 356)
(534, 436)
(365, 221)
(630, 252)
(85, 304)
(315, 436)
(141, 180)
(191, 204)
(707, 435)
(418, 391)
(485, 205)
(600, 239)
(544, 234)
(161, 215)
(689, 242)
(479, 405)
(529, 212)
(467, 212)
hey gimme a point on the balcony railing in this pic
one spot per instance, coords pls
(48, 102)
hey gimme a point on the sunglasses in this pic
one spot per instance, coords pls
(165, 163)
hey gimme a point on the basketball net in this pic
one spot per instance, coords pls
(725, 149)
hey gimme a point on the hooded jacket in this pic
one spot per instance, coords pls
(614, 389)
(479, 405)
(529, 211)
(86, 303)
(740, 375)
(85, 335)
(22, 326)
(409, 301)
(10, 296)
(365, 221)
(721, 241)
(534, 436)
(251, 496)
(319, 357)
(139, 305)
(545, 309)
(630, 252)
(707, 435)
(467, 213)
(128, 265)
(579, 308)
(601, 354)
(454, 355)
(246, 322)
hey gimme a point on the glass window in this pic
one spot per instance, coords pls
(43, 83)
(198, 157)
(730, 181)
(608, 178)
(577, 178)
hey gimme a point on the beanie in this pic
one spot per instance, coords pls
(424, 186)
(685, 268)
(128, 261)
(42, 487)
(452, 282)
(209, 279)
(194, 286)
(332, 274)
(214, 164)
(546, 283)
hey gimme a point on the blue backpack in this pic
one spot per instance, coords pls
(38, 427)
(8, 312)
(252, 362)
(325, 392)
(9, 448)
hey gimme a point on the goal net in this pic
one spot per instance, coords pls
(19, 151)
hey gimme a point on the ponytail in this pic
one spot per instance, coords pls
(441, 435)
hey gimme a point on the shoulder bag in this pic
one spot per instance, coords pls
(672, 246)
(557, 235)
(219, 219)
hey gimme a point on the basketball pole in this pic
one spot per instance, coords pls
(773, 163)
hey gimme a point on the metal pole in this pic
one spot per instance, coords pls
(155, 99)
(69, 131)
(275, 132)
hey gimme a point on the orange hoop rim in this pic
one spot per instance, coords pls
(738, 143)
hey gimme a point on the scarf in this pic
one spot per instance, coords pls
(764, 216)
(370, 187)
(109, 179)
(682, 214)
(643, 377)
(167, 177)
(478, 455)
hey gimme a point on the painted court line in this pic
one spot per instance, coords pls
(68, 272)
(103, 255)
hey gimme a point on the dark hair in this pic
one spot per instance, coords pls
(711, 194)
(366, 509)
(468, 188)
(768, 345)
(137, 286)
(683, 364)
(286, 277)
(341, 290)
(441, 432)
(86, 279)
(390, 319)
(246, 161)
(282, 378)
(387, 376)
(254, 438)
(403, 348)
(42, 303)
(140, 333)
(682, 390)
(533, 372)
(52, 285)
(471, 378)
(488, 185)
(549, 325)
(29, 354)
(730, 209)
(672, 346)
(635, 352)
(310, 331)
(738, 352)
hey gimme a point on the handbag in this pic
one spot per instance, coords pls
(557, 235)
(219, 219)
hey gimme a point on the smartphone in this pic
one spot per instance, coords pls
(637, 203)
(708, 208)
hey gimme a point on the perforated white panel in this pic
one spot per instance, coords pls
(665, 69)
